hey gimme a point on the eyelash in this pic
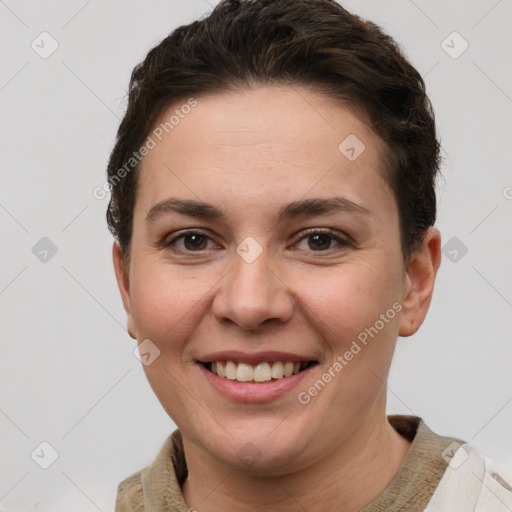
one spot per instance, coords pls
(342, 242)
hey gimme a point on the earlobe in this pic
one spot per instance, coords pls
(123, 282)
(419, 283)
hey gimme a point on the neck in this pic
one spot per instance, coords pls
(348, 479)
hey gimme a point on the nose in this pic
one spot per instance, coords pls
(252, 294)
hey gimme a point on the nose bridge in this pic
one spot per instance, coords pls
(252, 293)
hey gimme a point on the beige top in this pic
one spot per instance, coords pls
(157, 488)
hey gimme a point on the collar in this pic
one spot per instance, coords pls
(157, 488)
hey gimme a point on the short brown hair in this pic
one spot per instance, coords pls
(316, 43)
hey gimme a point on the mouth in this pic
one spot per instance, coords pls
(262, 372)
(250, 378)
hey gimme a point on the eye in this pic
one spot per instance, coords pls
(317, 240)
(321, 240)
(193, 241)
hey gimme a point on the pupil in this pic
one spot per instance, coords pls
(197, 241)
(321, 246)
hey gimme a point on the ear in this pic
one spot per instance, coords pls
(123, 282)
(419, 283)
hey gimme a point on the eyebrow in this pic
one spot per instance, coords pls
(302, 208)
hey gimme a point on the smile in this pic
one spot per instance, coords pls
(262, 372)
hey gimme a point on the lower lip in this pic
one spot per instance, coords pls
(251, 392)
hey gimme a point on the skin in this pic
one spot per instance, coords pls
(250, 153)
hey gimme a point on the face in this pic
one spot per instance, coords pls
(267, 243)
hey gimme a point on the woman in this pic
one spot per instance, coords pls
(273, 202)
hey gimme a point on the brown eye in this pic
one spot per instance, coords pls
(194, 242)
(191, 241)
(320, 241)
(323, 241)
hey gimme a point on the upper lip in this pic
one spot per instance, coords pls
(254, 358)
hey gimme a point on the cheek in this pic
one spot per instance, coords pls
(164, 304)
(346, 300)
(166, 307)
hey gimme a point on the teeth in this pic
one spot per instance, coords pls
(263, 372)
(277, 370)
(244, 372)
(230, 370)
(288, 369)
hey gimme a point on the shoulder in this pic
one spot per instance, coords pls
(474, 482)
(129, 494)
(157, 486)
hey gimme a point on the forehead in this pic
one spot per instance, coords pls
(281, 140)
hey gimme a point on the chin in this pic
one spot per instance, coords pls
(255, 447)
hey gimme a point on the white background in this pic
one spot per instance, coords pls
(68, 374)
